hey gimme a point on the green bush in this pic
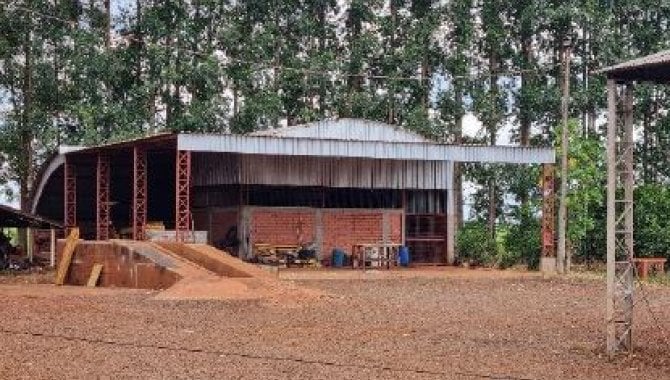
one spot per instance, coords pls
(476, 245)
(522, 243)
(652, 225)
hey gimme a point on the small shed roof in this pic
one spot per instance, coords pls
(651, 68)
(11, 217)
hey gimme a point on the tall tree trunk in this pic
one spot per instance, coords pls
(561, 256)
(527, 81)
(108, 23)
(492, 128)
(391, 84)
(322, 47)
(458, 167)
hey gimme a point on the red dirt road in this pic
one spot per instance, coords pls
(424, 327)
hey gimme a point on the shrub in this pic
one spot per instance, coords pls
(476, 245)
(522, 243)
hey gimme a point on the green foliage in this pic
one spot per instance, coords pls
(586, 180)
(240, 66)
(476, 245)
(652, 225)
(522, 243)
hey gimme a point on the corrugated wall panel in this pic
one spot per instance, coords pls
(221, 169)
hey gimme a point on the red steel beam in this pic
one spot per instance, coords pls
(70, 199)
(102, 198)
(139, 193)
(548, 211)
(183, 195)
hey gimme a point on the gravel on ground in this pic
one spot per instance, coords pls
(402, 327)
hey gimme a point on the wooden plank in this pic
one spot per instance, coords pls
(95, 275)
(66, 258)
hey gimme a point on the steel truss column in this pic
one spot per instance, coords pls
(102, 198)
(620, 174)
(548, 211)
(183, 195)
(139, 193)
(70, 198)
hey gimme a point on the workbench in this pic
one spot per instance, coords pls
(386, 255)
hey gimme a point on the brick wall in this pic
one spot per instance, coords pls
(121, 267)
(339, 228)
(282, 226)
(342, 229)
(222, 220)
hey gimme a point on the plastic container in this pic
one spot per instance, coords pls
(403, 256)
(338, 258)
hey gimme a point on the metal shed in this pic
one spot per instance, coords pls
(380, 178)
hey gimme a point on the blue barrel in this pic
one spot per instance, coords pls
(403, 256)
(338, 258)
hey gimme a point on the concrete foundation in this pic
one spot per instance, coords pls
(123, 265)
(548, 265)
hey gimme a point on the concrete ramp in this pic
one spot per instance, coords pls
(236, 278)
(181, 271)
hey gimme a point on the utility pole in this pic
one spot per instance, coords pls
(563, 207)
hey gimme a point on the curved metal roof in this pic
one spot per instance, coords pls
(346, 129)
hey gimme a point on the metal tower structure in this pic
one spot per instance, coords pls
(620, 183)
(654, 68)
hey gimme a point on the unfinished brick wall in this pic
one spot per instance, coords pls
(328, 228)
(342, 229)
(282, 226)
(121, 267)
(221, 221)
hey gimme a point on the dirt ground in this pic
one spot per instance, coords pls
(420, 324)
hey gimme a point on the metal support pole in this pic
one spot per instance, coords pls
(620, 172)
(183, 196)
(70, 199)
(611, 194)
(548, 259)
(139, 193)
(102, 198)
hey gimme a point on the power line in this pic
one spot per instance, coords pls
(221, 353)
(272, 66)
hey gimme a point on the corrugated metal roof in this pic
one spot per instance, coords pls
(345, 129)
(56, 162)
(654, 67)
(662, 57)
(211, 169)
(285, 146)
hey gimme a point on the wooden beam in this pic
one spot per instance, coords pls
(52, 249)
(95, 275)
(66, 258)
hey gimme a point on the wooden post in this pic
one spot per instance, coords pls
(52, 249)
(29, 244)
